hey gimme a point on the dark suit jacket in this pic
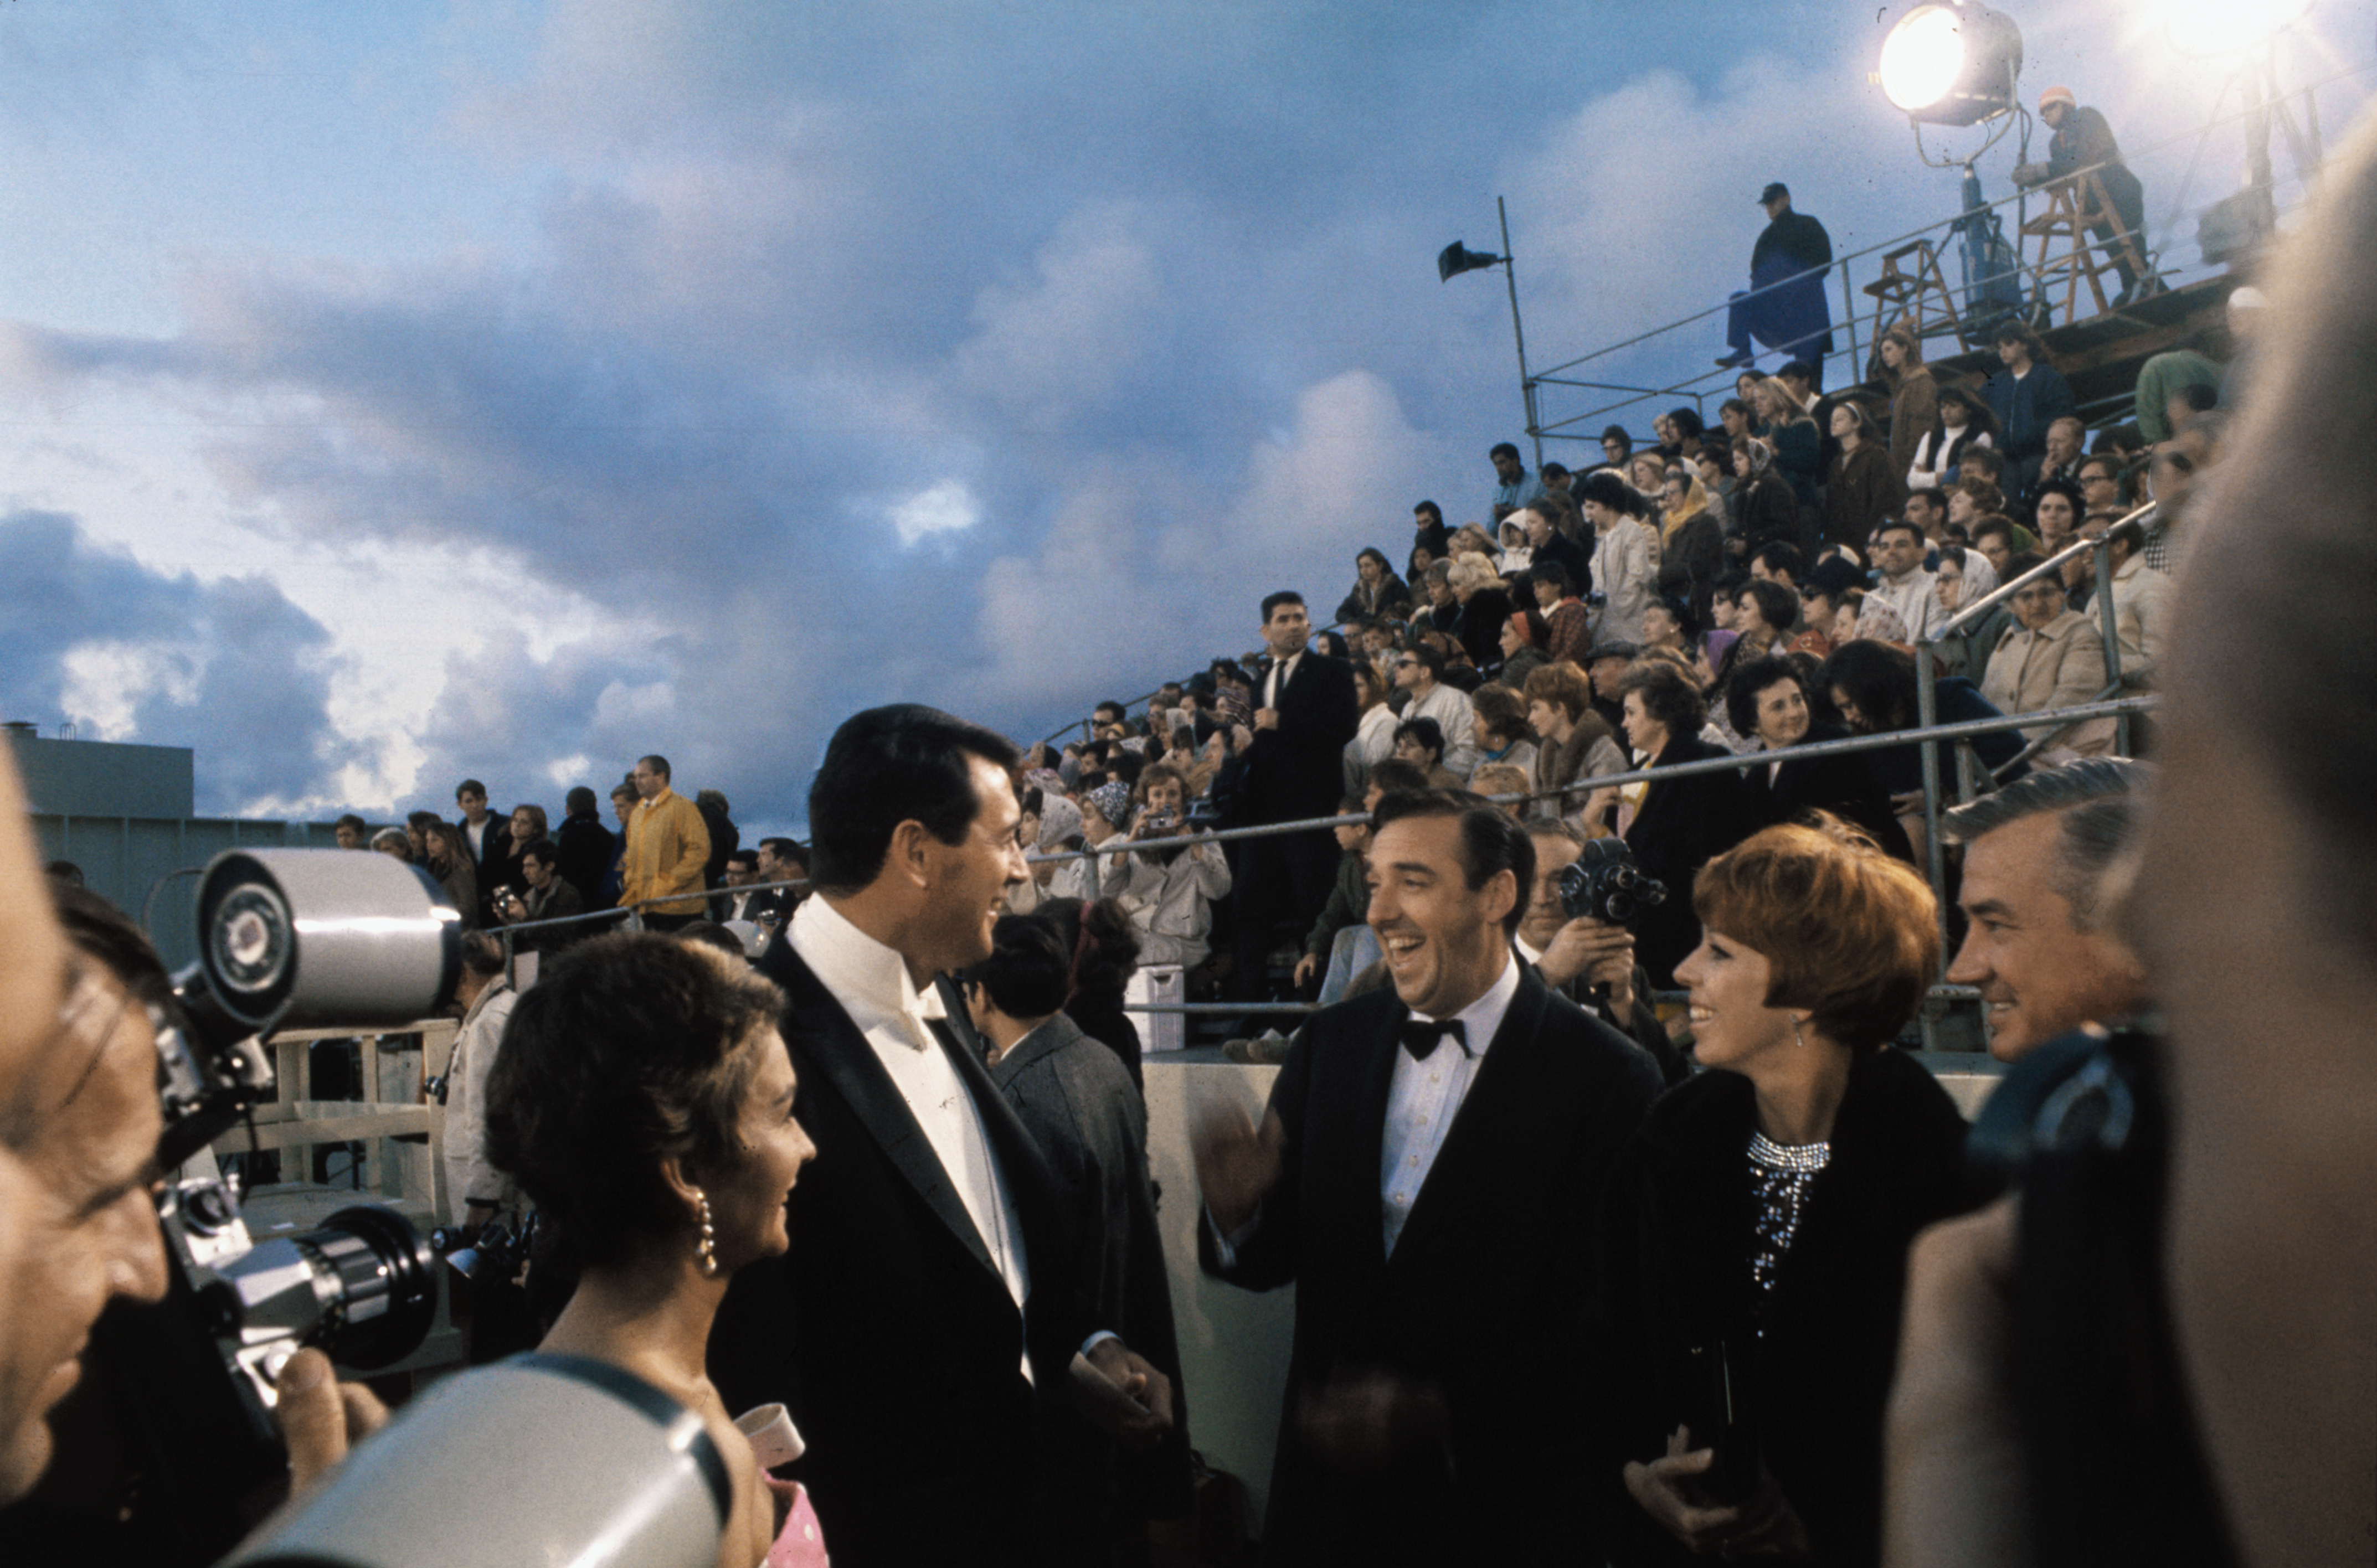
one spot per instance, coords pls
(1073, 1094)
(1682, 826)
(496, 865)
(1843, 786)
(1297, 770)
(887, 1330)
(1483, 1297)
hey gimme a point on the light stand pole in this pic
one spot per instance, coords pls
(1453, 260)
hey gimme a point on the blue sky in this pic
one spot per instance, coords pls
(403, 391)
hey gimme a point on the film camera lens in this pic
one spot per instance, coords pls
(364, 1287)
(1604, 884)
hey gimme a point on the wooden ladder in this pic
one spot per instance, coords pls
(1919, 295)
(2072, 205)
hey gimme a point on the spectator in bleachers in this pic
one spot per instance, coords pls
(1793, 438)
(1498, 715)
(667, 852)
(1169, 890)
(1685, 430)
(1965, 576)
(1349, 900)
(1442, 612)
(1625, 556)
(1377, 591)
(352, 832)
(1996, 536)
(1691, 541)
(1428, 530)
(585, 845)
(1493, 781)
(1106, 812)
(1784, 307)
(1567, 625)
(2055, 513)
(1821, 598)
(1513, 486)
(1764, 613)
(1678, 824)
(2066, 438)
(1525, 635)
(495, 859)
(2050, 658)
(1669, 624)
(1616, 446)
(1574, 745)
(2027, 395)
(1420, 742)
(440, 848)
(1928, 510)
(1105, 956)
(2142, 604)
(1872, 687)
(549, 897)
(1863, 487)
(1712, 466)
(1550, 547)
(2099, 482)
(1769, 701)
(1484, 608)
(732, 903)
(725, 839)
(623, 808)
(1590, 962)
(1902, 581)
(1914, 396)
(1765, 510)
(1963, 421)
(1374, 739)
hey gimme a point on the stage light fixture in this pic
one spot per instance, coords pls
(1952, 64)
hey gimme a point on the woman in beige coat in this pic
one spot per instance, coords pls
(2051, 656)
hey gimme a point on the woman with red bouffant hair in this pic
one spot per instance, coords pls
(1755, 1235)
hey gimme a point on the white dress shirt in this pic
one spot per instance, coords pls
(1424, 1096)
(871, 982)
(1276, 680)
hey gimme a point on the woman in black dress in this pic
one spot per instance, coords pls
(1755, 1233)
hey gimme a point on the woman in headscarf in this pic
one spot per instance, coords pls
(1691, 541)
(1862, 488)
(1967, 577)
(1764, 510)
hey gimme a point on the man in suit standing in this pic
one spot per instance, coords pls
(1429, 1160)
(924, 1329)
(1287, 766)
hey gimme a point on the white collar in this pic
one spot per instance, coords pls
(867, 977)
(1482, 1018)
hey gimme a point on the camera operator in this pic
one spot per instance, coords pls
(550, 896)
(1172, 887)
(1589, 961)
(83, 1122)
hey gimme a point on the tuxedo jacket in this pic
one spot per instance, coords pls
(887, 1329)
(1482, 1298)
(1297, 770)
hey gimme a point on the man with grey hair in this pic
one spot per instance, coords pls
(2036, 857)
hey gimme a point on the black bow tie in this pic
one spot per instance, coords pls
(1420, 1036)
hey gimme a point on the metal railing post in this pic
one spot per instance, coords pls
(1935, 855)
(2110, 616)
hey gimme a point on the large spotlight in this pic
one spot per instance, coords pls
(1952, 64)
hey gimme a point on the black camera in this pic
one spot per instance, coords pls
(495, 1253)
(1604, 884)
(291, 938)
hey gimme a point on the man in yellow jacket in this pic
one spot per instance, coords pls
(668, 845)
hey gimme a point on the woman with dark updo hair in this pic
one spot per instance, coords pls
(643, 1100)
(1104, 960)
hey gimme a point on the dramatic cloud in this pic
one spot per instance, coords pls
(230, 668)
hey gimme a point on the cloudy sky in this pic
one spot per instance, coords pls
(400, 391)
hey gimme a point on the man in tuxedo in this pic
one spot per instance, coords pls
(1431, 1159)
(925, 1327)
(1286, 765)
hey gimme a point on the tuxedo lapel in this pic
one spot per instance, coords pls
(1497, 1102)
(825, 1041)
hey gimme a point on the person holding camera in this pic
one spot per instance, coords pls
(549, 897)
(1589, 960)
(1171, 886)
(1755, 1233)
